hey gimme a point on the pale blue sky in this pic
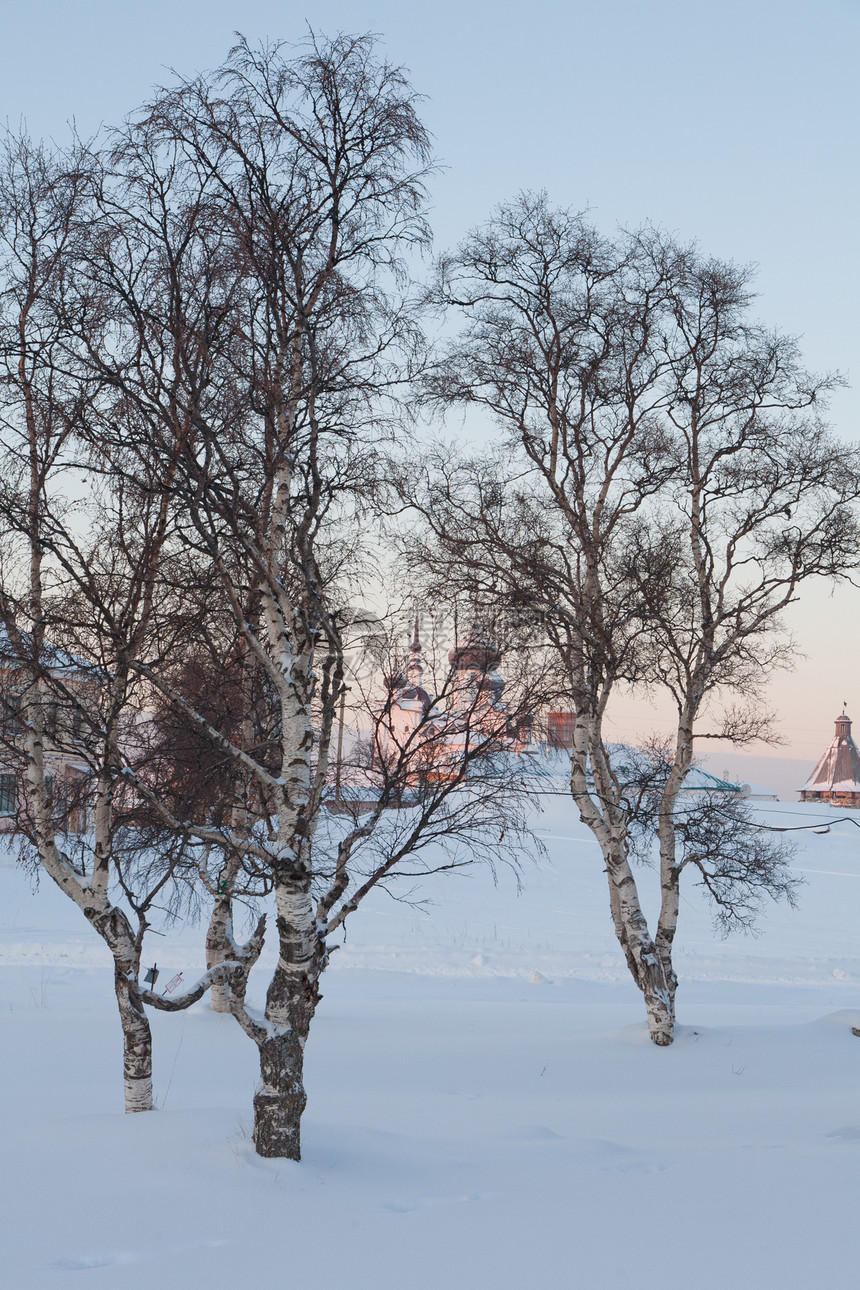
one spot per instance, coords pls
(735, 124)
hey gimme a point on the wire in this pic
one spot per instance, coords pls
(175, 1060)
(821, 826)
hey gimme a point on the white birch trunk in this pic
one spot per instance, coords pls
(221, 947)
(137, 1045)
(607, 823)
(669, 871)
(292, 999)
(112, 926)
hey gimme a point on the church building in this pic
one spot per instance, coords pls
(836, 778)
(470, 708)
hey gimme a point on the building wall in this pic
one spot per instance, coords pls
(850, 801)
(559, 729)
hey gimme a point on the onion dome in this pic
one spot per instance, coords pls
(407, 688)
(402, 692)
(475, 653)
(414, 694)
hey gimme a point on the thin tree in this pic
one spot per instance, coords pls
(764, 500)
(656, 444)
(79, 575)
(254, 330)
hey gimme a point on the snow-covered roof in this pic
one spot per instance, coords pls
(701, 781)
(627, 763)
(838, 771)
(58, 660)
(758, 792)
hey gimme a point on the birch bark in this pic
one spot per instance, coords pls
(601, 810)
(222, 947)
(291, 1002)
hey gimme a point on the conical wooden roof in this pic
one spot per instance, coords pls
(839, 768)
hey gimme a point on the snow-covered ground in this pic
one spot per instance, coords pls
(486, 1112)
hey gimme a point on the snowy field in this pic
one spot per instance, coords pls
(485, 1113)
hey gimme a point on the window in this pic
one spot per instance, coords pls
(10, 707)
(77, 721)
(7, 794)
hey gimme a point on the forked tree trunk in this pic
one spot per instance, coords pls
(219, 936)
(137, 1044)
(291, 1002)
(660, 1007)
(222, 948)
(648, 971)
(650, 966)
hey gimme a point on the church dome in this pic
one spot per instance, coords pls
(403, 690)
(414, 694)
(475, 653)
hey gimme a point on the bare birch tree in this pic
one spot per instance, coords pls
(246, 257)
(80, 567)
(764, 500)
(671, 489)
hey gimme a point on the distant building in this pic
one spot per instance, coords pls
(559, 729)
(65, 769)
(410, 703)
(836, 778)
(441, 728)
(759, 793)
(702, 781)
